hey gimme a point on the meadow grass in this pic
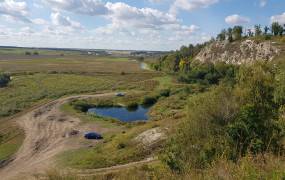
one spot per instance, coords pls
(11, 138)
(120, 147)
(22, 51)
(36, 81)
(24, 91)
(71, 64)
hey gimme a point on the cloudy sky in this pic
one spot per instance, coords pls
(128, 24)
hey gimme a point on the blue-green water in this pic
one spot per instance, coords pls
(122, 113)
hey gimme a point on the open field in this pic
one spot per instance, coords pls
(14, 51)
(71, 64)
(38, 80)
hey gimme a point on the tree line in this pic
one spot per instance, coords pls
(238, 32)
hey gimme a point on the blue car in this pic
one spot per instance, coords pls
(93, 135)
(120, 94)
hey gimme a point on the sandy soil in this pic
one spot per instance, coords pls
(47, 131)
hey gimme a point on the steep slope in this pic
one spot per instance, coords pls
(239, 52)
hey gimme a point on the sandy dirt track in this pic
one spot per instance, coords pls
(46, 130)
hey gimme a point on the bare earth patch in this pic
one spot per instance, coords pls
(48, 132)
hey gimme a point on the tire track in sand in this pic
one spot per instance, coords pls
(45, 136)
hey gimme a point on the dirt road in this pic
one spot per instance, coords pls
(46, 130)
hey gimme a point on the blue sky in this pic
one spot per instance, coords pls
(128, 24)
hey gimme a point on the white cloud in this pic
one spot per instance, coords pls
(122, 14)
(132, 25)
(127, 27)
(58, 19)
(15, 10)
(88, 7)
(39, 6)
(39, 21)
(119, 13)
(156, 1)
(278, 18)
(262, 3)
(190, 5)
(236, 19)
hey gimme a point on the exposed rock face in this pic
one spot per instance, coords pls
(247, 51)
(151, 137)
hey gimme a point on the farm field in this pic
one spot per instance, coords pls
(71, 64)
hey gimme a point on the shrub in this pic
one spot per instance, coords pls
(165, 93)
(267, 37)
(4, 79)
(36, 53)
(149, 100)
(27, 53)
(81, 105)
(132, 106)
(232, 122)
(201, 138)
(121, 146)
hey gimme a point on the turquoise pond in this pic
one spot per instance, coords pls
(122, 113)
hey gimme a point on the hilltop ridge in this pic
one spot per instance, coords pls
(239, 52)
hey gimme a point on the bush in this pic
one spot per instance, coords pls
(149, 100)
(267, 37)
(208, 74)
(132, 106)
(165, 93)
(27, 53)
(232, 122)
(4, 79)
(121, 146)
(36, 53)
(81, 105)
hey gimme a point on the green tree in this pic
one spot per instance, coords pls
(222, 35)
(257, 30)
(185, 52)
(276, 29)
(237, 32)
(266, 30)
(230, 34)
(249, 33)
(279, 93)
(256, 128)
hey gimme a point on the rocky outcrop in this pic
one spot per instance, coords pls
(151, 137)
(247, 51)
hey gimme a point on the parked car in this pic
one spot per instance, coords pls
(93, 135)
(120, 94)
